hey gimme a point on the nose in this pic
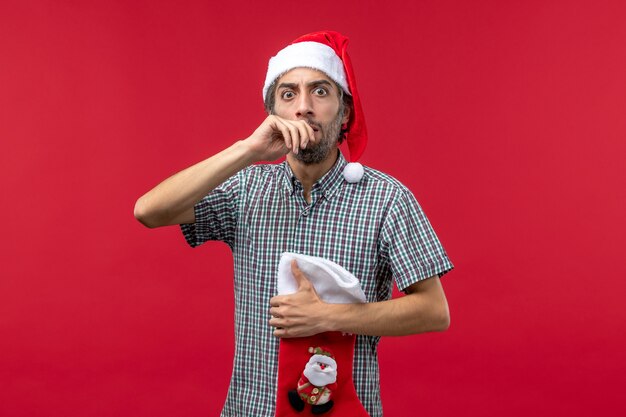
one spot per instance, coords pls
(304, 106)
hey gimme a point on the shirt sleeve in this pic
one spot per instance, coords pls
(413, 250)
(216, 214)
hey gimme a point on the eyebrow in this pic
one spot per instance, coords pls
(313, 83)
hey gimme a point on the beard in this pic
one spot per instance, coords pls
(318, 152)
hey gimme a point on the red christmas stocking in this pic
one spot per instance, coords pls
(315, 372)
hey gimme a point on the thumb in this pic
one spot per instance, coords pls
(301, 279)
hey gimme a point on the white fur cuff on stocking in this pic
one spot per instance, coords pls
(333, 283)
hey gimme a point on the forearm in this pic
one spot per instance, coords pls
(424, 308)
(172, 201)
(411, 314)
(168, 202)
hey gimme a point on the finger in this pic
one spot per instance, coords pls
(311, 132)
(285, 333)
(295, 136)
(281, 333)
(276, 322)
(299, 276)
(275, 301)
(280, 329)
(274, 312)
(287, 135)
(285, 132)
(305, 136)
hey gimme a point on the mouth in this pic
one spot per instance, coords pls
(314, 126)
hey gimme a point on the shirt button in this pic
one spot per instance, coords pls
(315, 390)
(313, 398)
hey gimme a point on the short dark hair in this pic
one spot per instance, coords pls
(346, 101)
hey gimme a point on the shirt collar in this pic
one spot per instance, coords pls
(327, 185)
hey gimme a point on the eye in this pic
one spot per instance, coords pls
(286, 95)
(320, 91)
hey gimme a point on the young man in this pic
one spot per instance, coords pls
(314, 204)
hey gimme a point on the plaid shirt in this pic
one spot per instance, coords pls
(374, 228)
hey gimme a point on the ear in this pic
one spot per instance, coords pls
(346, 115)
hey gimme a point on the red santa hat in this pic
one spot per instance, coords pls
(326, 51)
(322, 351)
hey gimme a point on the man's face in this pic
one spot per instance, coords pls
(308, 94)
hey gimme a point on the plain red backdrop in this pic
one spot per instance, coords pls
(505, 118)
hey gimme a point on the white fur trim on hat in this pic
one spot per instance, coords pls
(333, 283)
(310, 55)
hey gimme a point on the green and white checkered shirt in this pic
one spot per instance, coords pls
(374, 228)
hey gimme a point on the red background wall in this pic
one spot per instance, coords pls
(505, 118)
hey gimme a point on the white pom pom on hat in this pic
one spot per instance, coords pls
(353, 172)
(326, 51)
